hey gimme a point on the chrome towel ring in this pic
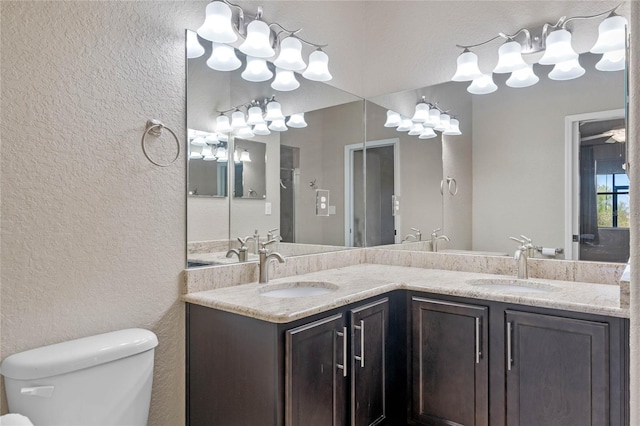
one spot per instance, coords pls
(154, 128)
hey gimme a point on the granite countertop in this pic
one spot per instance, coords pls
(362, 281)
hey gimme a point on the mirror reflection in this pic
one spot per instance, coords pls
(207, 165)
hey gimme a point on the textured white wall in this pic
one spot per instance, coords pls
(92, 233)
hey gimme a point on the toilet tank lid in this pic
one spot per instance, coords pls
(78, 354)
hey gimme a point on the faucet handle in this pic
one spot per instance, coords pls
(264, 245)
(435, 231)
(526, 239)
(272, 230)
(242, 241)
(518, 240)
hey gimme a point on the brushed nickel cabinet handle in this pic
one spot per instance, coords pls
(478, 342)
(509, 348)
(361, 357)
(343, 366)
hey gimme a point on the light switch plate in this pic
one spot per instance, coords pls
(322, 202)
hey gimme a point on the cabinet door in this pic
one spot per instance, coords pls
(557, 371)
(316, 371)
(369, 330)
(449, 363)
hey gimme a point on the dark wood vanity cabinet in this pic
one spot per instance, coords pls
(509, 365)
(450, 367)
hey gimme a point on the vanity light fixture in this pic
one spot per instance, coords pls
(225, 24)
(427, 133)
(554, 40)
(194, 48)
(221, 154)
(278, 125)
(445, 120)
(222, 124)
(255, 115)
(274, 111)
(421, 113)
(285, 81)
(199, 141)
(297, 121)
(237, 120)
(194, 154)
(261, 129)
(245, 157)
(454, 128)
(207, 153)
(393, 119)
(416, 129)
(430, 118)
(405, 125)
(245, 133)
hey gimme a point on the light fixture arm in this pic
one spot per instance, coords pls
(610, 12)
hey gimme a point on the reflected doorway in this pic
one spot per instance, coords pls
(289, 180)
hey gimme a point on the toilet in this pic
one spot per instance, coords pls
(98, 380)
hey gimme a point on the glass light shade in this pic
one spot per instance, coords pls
(434, 118)
(278, 125)
(567, 70)
(223, 58)
(217, 24)
(221, 137)
(194, 48)
(445, 119)
(558, 48)
(238, 121)
(261, 129)
(194, 154)
(421, 113)
(427, 133)
(211, 138)
(612, 61)
(524, 77)
(285, 81)
(416, 129)
(454, 128)
(482, 85)
(245, 133)
(257, 43)
(510, 58)
(393, 119)
(274, 111)
(207, 153)
(221, 154)
(611, 35)
(255, 116)
(222, 124)
(467, 69)
(245, 157)
(318, 69)
(256, 70)
(297, 121)
(199, 141)
(405, 125)
(290, 57)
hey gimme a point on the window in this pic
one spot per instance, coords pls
(613, 200)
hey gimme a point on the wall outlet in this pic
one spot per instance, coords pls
(267, 208)
(395, 202)
(322, 202)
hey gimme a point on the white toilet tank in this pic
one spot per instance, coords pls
(97, 380)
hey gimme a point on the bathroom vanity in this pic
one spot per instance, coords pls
(398, 345)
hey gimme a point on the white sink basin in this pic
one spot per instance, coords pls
(297, 289)
(512, 285)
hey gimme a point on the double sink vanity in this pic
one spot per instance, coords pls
(377, 336)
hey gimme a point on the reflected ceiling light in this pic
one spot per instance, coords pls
(454, 128)
(318, 69)
(567, 70)
(290, 57)
(285, 80)
(405, 125)
(199, 141)
(510, 58)
(217, 24)
(237, 120)
(612, 61)
(257, 43)
(393, 119)
(524, 77)
(223, 58)
(194, 49)
(559, 48)
(222, 124)
(554, 42)
(245, 133)
(255, 116)
(482, 85)
(261, 129)
(297, 121)
(427, 133)
(221, 154)
(467, 67)
(434, 118)
(256, 70)
(274, 112)
(278, 125)
(445, 120)
(421, 113)
(194, 154)
(207, 153)
(245, 157)
(416, 129)
(221, 137)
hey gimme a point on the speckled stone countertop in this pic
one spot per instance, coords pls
(362, 281)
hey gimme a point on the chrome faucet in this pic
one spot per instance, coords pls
(521, 255)
(265, 259)
(435, 238)
(271, 236)
(241, 252)
(416, 237)
(255, 239)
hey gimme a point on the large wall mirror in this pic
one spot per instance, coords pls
(275, 180)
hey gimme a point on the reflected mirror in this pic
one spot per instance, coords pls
(249, 171)
(207, 173)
